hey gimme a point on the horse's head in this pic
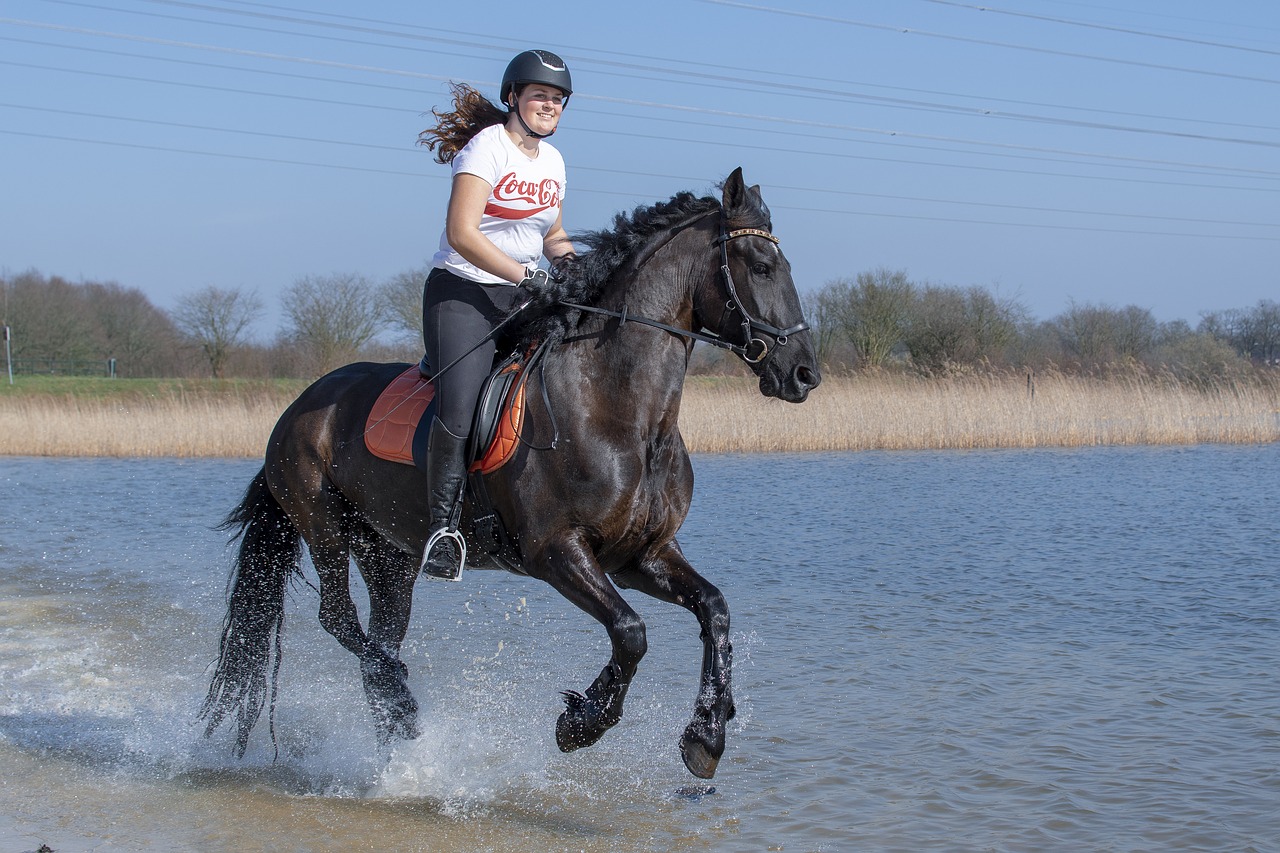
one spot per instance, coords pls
(752, 301)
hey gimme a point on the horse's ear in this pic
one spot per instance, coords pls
(757, 200)
(735, 192)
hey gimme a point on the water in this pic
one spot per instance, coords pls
(1040, 650)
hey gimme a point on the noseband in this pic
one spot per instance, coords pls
(750, 324)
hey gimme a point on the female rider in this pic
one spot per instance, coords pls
(504, 214)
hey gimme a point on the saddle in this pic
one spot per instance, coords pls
(391, 431)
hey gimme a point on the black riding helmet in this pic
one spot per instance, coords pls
(536, 66)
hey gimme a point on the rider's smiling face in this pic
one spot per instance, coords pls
(540, 106)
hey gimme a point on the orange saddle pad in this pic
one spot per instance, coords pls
(395, 415)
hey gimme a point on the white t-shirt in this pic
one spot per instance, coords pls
(523, 204)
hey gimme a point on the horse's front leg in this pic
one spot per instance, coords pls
(571, 567)
(669, 577)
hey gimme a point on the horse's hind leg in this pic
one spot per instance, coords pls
(332, 543)
(389, 574)
(669, 577)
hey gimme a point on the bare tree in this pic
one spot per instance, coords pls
(332, 317)
(401, 298)
(1136, 332)
(1101, 334)
(50, 318)
(825, 310)
(994, 321)
(935, 329)
(1253, 332)
(874, 313)
(136, 333)
(217, 321)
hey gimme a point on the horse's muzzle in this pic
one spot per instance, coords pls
(790, 380)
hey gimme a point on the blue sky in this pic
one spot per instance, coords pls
(1056, 151)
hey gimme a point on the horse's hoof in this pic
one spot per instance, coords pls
(405, 728)
(698, 758)
(568, 734)
(582, 723)
(571, 727)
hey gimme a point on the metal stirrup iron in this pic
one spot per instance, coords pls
(447, 534)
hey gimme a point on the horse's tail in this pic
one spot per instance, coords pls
(270, 551)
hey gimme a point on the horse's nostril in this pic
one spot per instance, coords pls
(806, 376)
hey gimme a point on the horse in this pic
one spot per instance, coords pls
(591, 499)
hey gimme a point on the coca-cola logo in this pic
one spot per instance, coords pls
(542, 194)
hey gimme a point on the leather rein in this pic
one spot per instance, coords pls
(750, 324)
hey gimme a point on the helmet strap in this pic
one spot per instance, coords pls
(525, 124)
(516, 109)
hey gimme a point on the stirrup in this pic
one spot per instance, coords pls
(451, 535)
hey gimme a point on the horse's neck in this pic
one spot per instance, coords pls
(662, 287)
(632, 347)
(650, 362)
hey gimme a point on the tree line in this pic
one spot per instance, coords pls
(882, 318)
(878, 319)
(328, 321)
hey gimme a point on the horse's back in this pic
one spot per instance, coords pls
(324, 425)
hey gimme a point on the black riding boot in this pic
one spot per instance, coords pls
(445, 551)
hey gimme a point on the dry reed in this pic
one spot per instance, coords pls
(231, 426)
(899, 412)
(877, 411)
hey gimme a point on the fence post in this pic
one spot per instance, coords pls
(8, 358)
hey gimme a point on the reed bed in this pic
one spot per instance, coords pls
(900, 412)
(188, 426)
(721, 415)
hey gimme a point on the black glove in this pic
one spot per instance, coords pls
(540, 287)
(536, 280)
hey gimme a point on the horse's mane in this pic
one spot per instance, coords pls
(607, 251)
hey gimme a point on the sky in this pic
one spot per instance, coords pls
(1051, 151)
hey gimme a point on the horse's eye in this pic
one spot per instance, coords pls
(760, 269)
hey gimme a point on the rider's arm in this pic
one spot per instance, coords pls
(557, 243)
(462, 229)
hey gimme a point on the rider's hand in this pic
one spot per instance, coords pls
(536, 280)
(540, 288)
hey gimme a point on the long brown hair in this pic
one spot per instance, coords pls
(472, 112)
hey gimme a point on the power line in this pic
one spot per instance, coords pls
(403, 150)
(1126, 162)
(632, 102)
(233, 51)
(1106, 27)
(722, 81)
(1153, 13)
(649, 61)
(794, 151)
(878, 214)
(1136, 63)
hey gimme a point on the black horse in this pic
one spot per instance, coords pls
(598, 511)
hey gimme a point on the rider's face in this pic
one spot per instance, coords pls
(540, 106)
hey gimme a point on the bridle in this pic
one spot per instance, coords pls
(750, 325)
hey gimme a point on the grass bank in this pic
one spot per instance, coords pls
(54, 416)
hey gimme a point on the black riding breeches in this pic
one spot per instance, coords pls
(456, 314)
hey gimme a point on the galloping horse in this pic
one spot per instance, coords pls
(591, 499)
